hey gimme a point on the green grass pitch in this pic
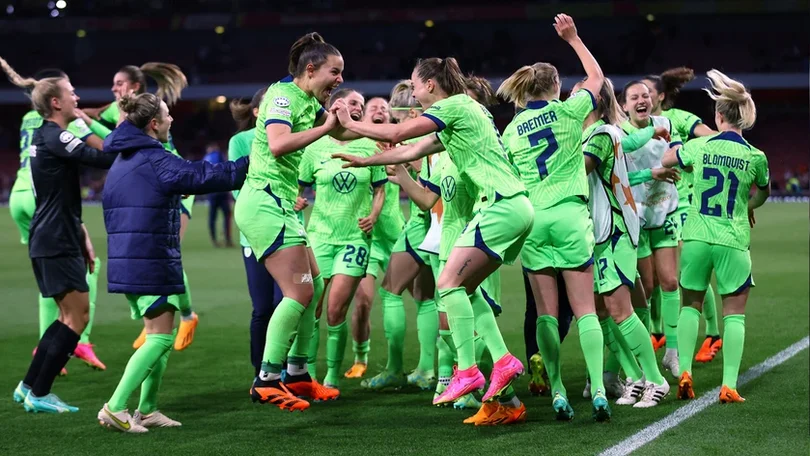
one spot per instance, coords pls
(206, 386)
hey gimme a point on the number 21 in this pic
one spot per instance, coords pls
(716, 210)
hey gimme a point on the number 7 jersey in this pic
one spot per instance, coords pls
(545, 142)
(725, 166)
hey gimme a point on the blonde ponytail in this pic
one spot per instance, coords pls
(170, 80)
(41, 92)
(402, 95)
(530, 82)
(732, 100)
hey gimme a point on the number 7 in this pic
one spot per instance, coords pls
(551, 147)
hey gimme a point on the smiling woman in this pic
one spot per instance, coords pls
(293, 118)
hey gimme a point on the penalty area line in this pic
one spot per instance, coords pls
(692, 408)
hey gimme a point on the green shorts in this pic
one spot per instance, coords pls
(384, 237)
(22, 205)
(615, 263)
(268, 222)
(412, 236)
(562, 237)
(500, 230)
(347, 259)
(143, 305)
(680, 215)
(667, 236)
(732, 267)
(187, 205)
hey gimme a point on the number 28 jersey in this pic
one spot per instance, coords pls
(545, 142)
(725, 166)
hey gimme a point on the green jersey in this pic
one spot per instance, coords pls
(458, 199)
(545, 140)
(413, 210)
(683, 129)
(110, 115)
(238, 147)
(471, 139)
(725, 167)
(391, 218)
(30, 122)
(343, 195)
(283, 103)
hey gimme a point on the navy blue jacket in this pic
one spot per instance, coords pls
(142, 209)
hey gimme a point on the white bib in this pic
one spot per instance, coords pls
(655, 200)
(434, 234)
(599, 201)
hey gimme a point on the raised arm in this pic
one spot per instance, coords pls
(183, 177)
(564, 25)
(424, 197)
(395, 156)
(283, 141)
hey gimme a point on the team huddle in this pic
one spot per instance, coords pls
(611, 205)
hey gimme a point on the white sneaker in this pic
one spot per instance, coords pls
(653, 394)
(154, 419)
(614, 387)
(632, 392)
(586, 393)
(121, 421)
(670, 362)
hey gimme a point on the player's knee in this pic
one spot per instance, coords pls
(669, 283)
(335, 314)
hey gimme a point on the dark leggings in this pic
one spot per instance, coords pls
(219, 202)
(530, 320)
(265, 296)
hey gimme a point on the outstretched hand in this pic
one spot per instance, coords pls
(353, 161)
(670, 175)
(340, 109)
(564, 25)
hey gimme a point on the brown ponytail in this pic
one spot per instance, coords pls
(445, 72)
(310, 48)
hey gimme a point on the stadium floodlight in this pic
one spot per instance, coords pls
(61, 4)
(10, 9)
(54, 13)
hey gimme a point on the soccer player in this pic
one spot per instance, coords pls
(685, 126)
(544, 138)
(408, 268)
(383, 237)
(466, 130)
(141, 214)
(22, 204)
(171, 81)
(717, 237)
(264, 291)
(657, 203)
(59, 246)
(346, 208)
(290, 118)
(616, 228)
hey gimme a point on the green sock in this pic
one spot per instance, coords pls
(687, 338)
(548, 341)
(656, 317)
(644, 316)
(638, 340)
(361, 350)
(306, 325)
(670, 308)
(185, 298)
(151, 386)
(710, 313)
(593, 348)
(733, 342)
(620, 351)
(394, 329)
(48, 313)
(427, 330)
(312, 352)
(335, 348)
(138, 368)
(462, 324)
(486, 325)
(447, 353)
(92, 284)
(483, 359)
(282, 329)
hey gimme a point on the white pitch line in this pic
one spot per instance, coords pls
(651, 432)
